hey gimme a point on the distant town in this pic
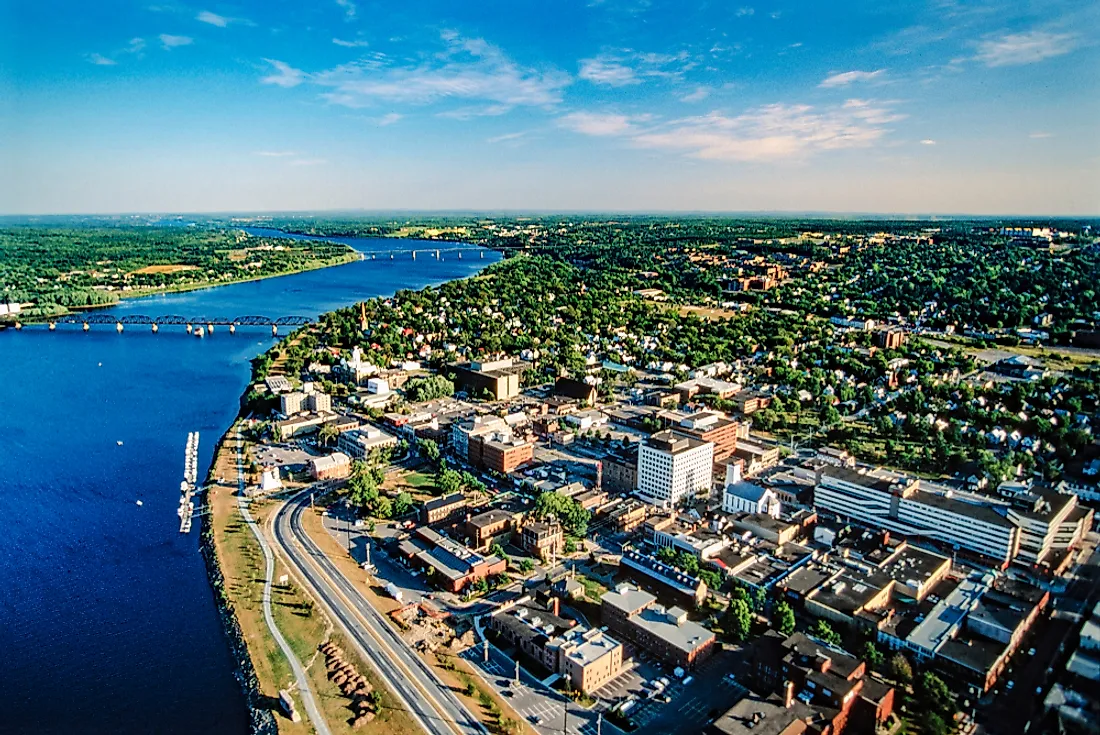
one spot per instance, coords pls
(688, 477)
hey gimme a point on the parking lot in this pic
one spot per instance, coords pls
(709, 692)
(292, 456)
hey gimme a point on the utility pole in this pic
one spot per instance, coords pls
(485, 648)
(599, 722)
(517, 672)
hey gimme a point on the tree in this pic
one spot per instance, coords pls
(429, 449)
(872, 655)
(327, 434)
(573, 518)
(402, 504)
(526, 565)
(667, 554)
(711, 578)
(739, 620)
(449, 481)
(688, 562)
(933, 724)
(900, 669)
(498, 551)
(934, 694)
(783, 618)
(821, 629)
(428, 388)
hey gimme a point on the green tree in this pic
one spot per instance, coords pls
(934, 694)
(402, 504)
(783, 618)
(738, 620)
(667, 554)
(872, 655)
(429, 449)
(933, 724)
(526, 565)
(573, 518)
(821, 629)
(428, 388)
(327, 434)
(449, 481)
(900, 668)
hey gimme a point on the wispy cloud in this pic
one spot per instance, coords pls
(599, 124)
(698, 95)
(136, 46)
(745, 11)
(470, 70)
(843, 79)
(101, 60)
(507, 137)
(275, 154)
(212, 18)
(1039, 135)
(350, 44)
(1016, 49)
(169, 42)
(928, 141)
(770, 133)
(626, 67)
(349, 8)
(389, 119)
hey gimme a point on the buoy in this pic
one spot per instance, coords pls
(100, 365)
(119, 442)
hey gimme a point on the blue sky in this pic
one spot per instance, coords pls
(624, 105)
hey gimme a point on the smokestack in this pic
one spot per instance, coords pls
(557, 607)
(788, 693)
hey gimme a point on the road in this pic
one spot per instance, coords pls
(304, 690)
(420, 691)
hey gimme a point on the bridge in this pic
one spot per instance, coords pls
(198, 325)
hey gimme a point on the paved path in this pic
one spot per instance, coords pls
(300, 678)
(431, 702)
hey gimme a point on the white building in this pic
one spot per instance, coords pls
(740, 496)
(378, 386)
(358, 443)
(319, 402)
(1048, 523)
(897, 504)
(292, 403)
(672, 466)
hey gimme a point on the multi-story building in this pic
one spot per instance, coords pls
(898, 504)
(672, 467)
(454, 566)
(463, 429)
(739, 496)
(544, 540)
(443, 510)
(1049, 523)
(292, 403)
(319, 402)
(714, 427)
(492, 526)
(332, 467)
(756, 457)
(499, 378)
(651, 572)
(619, 470)
(501, 453)
(684, 534)
(666, 633)
(891, 338)
(359, 443)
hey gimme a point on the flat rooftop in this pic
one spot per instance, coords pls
(685, 636)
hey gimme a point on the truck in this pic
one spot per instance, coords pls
(393, 591)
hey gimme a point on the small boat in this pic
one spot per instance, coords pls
(199, 332)
(119, 442)
(140, 503)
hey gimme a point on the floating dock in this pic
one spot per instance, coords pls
(188, 487)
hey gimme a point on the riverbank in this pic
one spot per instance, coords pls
(237, 577)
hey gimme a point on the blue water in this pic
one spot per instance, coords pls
(107, 623)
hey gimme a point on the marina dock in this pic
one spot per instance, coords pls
(188, 487)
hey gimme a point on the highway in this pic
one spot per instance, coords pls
(431, 702)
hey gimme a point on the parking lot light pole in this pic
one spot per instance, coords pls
(599, 722)
(517, 672)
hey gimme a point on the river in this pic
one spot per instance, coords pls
(107, 623)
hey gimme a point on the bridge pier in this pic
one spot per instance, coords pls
(274, 330)
(210, 328)
(85, 327)
(155, 328)
(189, 328)
(232, 328)
(53, 325)
(118, 327)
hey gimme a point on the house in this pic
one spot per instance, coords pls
(545, 540)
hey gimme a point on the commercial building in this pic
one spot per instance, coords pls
(359, 443)
(332, 467)
(756, 457)
(666, 633)
(1049, 523)
(499, 452)
(672, 467)
(587, 658)
(667, 579)
(580, 391)
(684, 534)
(463, 429)
(292, 403)
(492, 526)
(454, 566)
(891, 338)
(627, 515)
(498, 378)
(544, 540)
(896, 503)
(714, 427)
(443, 510)
(619, 469)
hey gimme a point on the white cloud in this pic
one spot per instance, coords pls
(389, 119)
(101, 60)
(212, 18)
(275, 154)
(848, 77)
(349, 8)
(467, 69)
(1039, 135)
(742, 12)
(286, 76)
(605, 71)
(170, 42)
(600, 124)
(308, 162)
(469, 112)
(928, 141)
(136, 46)
(698, 95)
(1024, 48)
(350, 44)
(506, 137)
(769, 133)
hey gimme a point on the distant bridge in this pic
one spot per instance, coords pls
(192, 323)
